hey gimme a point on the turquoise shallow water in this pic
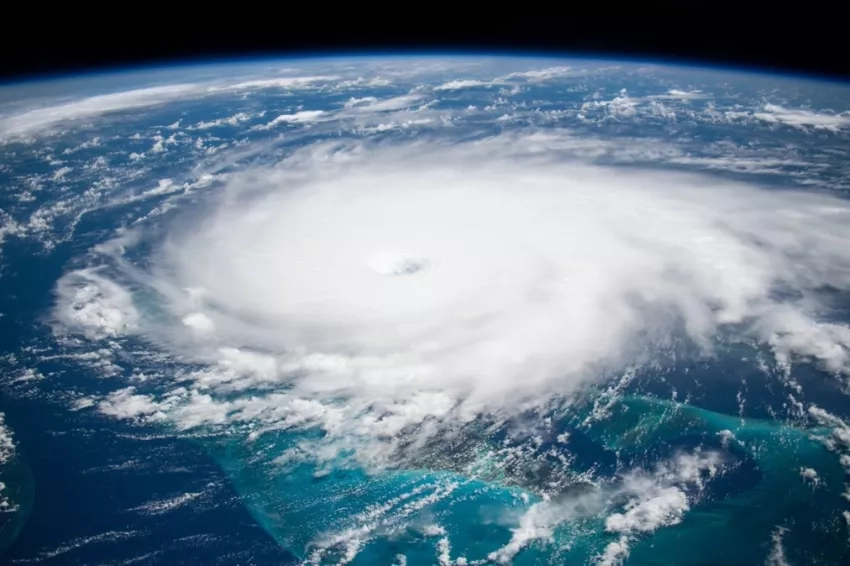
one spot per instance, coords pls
(476, 508)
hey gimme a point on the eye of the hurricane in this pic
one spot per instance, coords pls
(399, 264)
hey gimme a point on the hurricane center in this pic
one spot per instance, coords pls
(399, 264)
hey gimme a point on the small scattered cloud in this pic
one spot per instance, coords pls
(285, 83)
(387, 104)
(461, 84)
(546, 74)
(676, 94)
(300, 117)
(235, 120)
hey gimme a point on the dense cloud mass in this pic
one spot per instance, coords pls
(435, 279)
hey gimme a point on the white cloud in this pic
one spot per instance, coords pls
(676, 94)
(347, 544)
(199, 322)
(301, 117)
(9, 227)
(657, 500)
(792, 333)
(22, 124)
(801, 118)
(286, 83)
(535, 525)
(638, 504)
(761, 165)
(621, 106)
(777, 552)
(394, 103)
(542, 74)
(403, 125)
(161, 506)
(512, 79)
(26, 123)
(93, 304)
(361, 82)
(234, 120)
(106, 537)
(810, 475)
(353, 101)
(7, 443)
(163, 187)
(359, 109)
(127, 404)
(60, 173)
(490, 315)
(615, 553)
(838, 440)
(462, 84)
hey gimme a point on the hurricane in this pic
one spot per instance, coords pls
(391, 299)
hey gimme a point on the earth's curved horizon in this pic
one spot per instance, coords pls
(419, 309)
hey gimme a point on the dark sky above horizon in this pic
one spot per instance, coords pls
(66, 39)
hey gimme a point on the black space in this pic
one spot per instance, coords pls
(40, 39)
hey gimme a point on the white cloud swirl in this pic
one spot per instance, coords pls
(428, 280)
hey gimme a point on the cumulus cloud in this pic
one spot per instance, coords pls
(7, 452)
(234, 120)
(94, 305)
(633, 506)
(621, 106)
(127, 404)
(837, 441)
(656, 500)
(7, 443)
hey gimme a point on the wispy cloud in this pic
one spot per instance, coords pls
(38, 119)
(276, 83)
(393, 103)
(802, 118)
(233, 120)
(462, 84)
(542, 74)
(676, 94)
(300, 117)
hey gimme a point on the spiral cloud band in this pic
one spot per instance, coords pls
(392, 298)
(481, 275)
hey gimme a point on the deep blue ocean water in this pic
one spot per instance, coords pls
(80, 477)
